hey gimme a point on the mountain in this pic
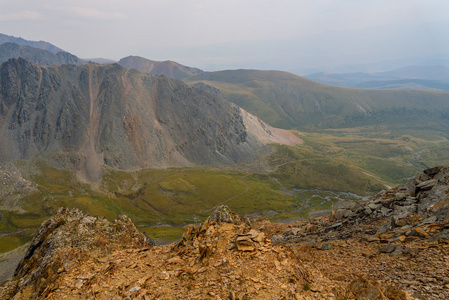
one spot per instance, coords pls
(412, 77)
(438, 72)
(37, 56)
(91, 115)
(289, 101)
(20, 41)
(406, 84)
(167, 68)
(99, 60)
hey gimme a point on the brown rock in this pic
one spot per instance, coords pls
(401, 238)
(244, 242)
(363, 289)
(418, 231)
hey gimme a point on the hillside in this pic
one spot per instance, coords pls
(289, 101)
(35, 44)
(167, 68)
(37, 56)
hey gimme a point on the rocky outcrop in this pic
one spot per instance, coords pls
(61, 243)
(403, 228)
(421, 201)
(89, 116)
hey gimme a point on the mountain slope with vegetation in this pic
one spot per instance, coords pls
(289, 101)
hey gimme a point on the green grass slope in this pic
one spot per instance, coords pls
(289, 101)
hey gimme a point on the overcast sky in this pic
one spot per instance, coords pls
(294, 35)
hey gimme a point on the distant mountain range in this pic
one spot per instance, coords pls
(36, 55)
(408, 78)
(39, 45)
(167, 68)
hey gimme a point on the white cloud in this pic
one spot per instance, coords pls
(22, 15)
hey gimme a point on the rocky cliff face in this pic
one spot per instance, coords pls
(89, 116)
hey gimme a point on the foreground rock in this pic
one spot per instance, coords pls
(75, 256)
(63, 243)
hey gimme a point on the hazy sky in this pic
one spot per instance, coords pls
(293, 35)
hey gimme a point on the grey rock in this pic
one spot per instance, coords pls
(336, 225)
(397, 250)
(373, 206)
(399, 196)
(430, 220)
(389, 248)
(402, 211)
(442, 235)
(277, 239)
(391, 224)
(432, 171)
(223, 214)
(148, 240)
(385, 212)
(134, 289)
(326, 246)
(426, 185)
(342, 213)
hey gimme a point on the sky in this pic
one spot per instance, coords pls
(300, 36)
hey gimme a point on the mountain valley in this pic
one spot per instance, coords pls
(169, 145)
